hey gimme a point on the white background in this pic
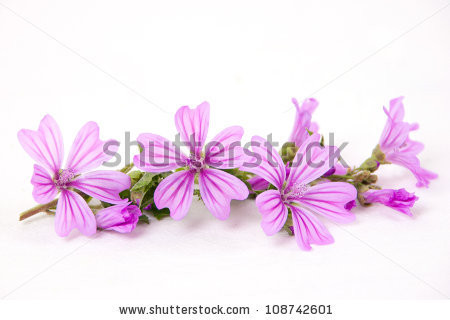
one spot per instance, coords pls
(130, 64)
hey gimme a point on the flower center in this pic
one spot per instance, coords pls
(195, 163)
(63, 178)
(297, 191)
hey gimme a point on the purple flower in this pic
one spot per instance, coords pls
(122, 217)
(400, 200)
(45, 146)
(399, 148)
(217, 188)
(303, 121)
(294, 192)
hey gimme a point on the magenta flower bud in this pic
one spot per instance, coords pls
(400, 200)
(350, 205)
(330, 172)
(257, 183)
(122, 218)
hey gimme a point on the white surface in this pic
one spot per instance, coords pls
(248, 60)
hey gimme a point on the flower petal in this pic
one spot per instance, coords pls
(308, 229)
(88, 151)
(394, 134)
(176, 192)
(45, 146)
(400, 200)
(311, 161)
(44, 188)
(412, 163)
(396, 109)
(122, 218)
(302, 122)
(103, 185)
(265, 162)
(192, 124)
(225, 151)
(414, 147)
(218, 188)
(274, 212)
(329, 200)
(158, 155)
(73, 212)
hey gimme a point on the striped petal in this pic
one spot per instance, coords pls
(308, 229)
(264, 161)
(225, 151)
(176, 192)
(88, 151)
(218, 188)
(73, 212)
(329, 200)
(311, 161)
(44, 188)
(103, 185)
(45, 145)
(193, 124)
(158, 154)
(274, 212)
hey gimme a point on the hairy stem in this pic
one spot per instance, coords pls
(37, 209)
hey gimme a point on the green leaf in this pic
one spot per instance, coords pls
(147, 198)
(160, 214)
(144, 183)
(144, 219)
(135, 176)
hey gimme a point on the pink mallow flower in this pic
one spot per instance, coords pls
(217, 188)
(400, 200)
(122, 217)
(398, 147)
(45, 146)
(303, 122)
(294, 192)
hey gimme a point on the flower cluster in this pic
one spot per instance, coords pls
(294, 188)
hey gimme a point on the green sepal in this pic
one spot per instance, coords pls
(288, 223)
(288, 151)
(198, 194)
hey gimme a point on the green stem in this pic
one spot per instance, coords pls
(37, 209)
